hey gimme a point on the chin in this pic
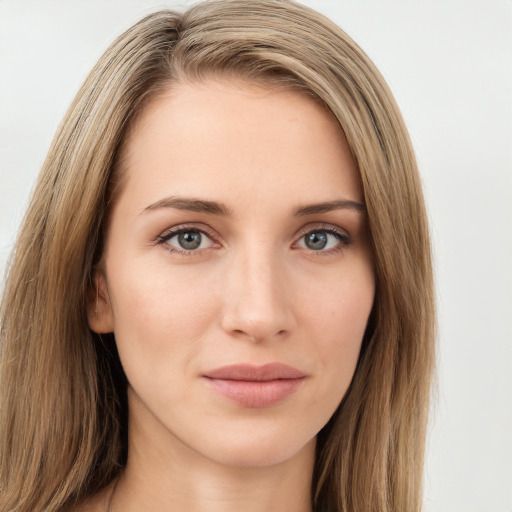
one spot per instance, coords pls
(259, 450)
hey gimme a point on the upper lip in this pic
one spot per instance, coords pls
(254, 373)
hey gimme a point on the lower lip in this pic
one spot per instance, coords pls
(255, 393)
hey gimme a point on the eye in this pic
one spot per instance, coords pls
(324, 240)
(187, 240)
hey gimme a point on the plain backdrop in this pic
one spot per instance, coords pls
(448, 64)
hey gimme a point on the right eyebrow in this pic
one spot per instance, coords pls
(190, 205)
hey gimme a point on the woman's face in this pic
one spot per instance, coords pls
(237, 273)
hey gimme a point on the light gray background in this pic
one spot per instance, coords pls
(448, 65)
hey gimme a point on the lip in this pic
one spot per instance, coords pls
(255, 386)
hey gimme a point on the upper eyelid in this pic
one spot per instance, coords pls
(202, 228)
(321, 226)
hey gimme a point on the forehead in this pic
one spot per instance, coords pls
(232, 139)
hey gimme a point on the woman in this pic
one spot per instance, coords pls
(221, 295)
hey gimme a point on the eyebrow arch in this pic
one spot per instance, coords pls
(340, 204)
(190, 205)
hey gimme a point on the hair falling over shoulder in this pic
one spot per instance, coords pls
(63, 412)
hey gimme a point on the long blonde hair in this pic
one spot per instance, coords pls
(62, 390)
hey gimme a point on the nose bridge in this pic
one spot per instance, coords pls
(256, 303)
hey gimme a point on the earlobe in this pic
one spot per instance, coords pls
(99, 309)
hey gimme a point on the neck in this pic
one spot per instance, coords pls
(163, 474)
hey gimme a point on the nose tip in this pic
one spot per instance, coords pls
(257, 306)
(256, 318)
(256, 330)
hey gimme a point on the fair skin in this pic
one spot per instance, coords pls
(239, 236)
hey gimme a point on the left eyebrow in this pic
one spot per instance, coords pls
(340, 204)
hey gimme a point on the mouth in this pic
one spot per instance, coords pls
(255, 386)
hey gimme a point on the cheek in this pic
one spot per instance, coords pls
(338, 316)
(341, 304)
(157, 314)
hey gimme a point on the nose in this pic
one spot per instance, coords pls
(257, 302)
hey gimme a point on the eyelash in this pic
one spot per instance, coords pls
(343, 238)
(164, 238)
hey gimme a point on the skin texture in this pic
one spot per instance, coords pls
(253, 292)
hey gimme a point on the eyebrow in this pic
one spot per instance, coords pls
(216, 208)
(340, 204)
(190, 205)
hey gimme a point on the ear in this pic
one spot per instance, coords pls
(99, 308)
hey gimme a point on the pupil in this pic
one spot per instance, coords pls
(316, 241)
(189, 240)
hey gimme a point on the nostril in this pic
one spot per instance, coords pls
(257, 337)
